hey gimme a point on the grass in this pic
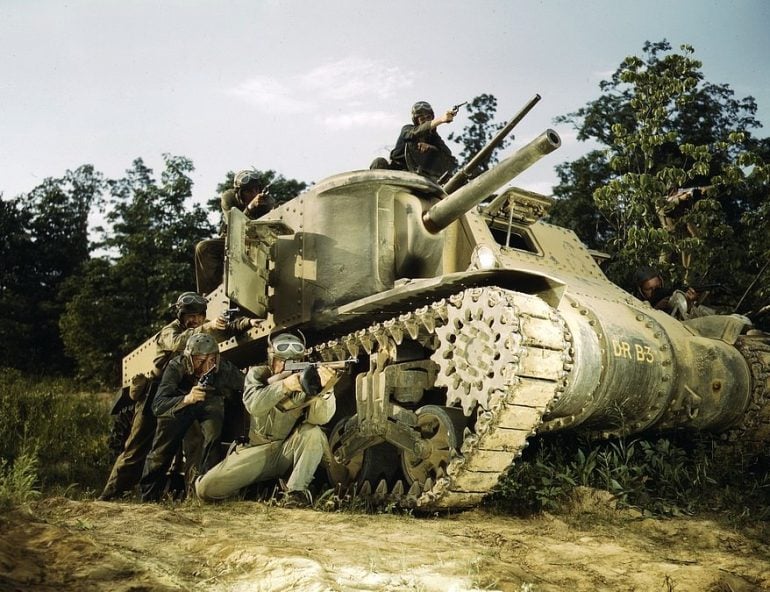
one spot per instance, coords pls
(17, 481)
(676, 474)
(50, 429)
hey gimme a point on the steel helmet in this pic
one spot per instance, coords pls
(421, 107)
(190, 303)
(287, 346)
(643, 274)
(199, 344)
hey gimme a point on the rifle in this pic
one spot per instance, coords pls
(456, 108)
(310, 381)
(703, 287)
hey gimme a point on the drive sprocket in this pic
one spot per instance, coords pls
(478, 351)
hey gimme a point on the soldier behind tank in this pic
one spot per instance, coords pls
(190, 309)
(247, 195)
(419, 148)
(284, 433)
(680, 304)
(194, 387)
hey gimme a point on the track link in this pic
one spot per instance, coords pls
(522, 354)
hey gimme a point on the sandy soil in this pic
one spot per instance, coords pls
(60, 544)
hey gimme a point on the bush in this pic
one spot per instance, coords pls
(672, 474)
(67, 429)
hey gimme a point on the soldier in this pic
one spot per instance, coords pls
(190, 320)
(193, 387)
(680, 304)
(247, 195)
(419, 148)
(284, 432)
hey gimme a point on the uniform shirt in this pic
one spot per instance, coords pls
(268, 423)
(412, 134)
(177, 382)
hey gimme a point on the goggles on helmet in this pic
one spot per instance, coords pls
(187, 299)
(288, 349)
(245, 178)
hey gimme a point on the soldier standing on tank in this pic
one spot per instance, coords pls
(247, 195)
(419, 148)
(190, 320)
(284, 432)
(194, 387)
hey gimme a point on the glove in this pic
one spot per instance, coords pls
(292, 383)
(310, 381)
(326, 375)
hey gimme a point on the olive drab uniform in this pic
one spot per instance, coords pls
(174, 420)
(127, 468)
(279, 441)
(408, 138)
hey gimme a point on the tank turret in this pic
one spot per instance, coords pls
(474, 328)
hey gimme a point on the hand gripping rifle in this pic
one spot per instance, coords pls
(311, 381)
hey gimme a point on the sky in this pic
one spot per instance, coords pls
(311, 89)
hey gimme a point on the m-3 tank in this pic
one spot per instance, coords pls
(475, 325)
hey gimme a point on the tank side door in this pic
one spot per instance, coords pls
(247, 258)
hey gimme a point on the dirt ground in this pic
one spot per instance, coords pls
(60, 544)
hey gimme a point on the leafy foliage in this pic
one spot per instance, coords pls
(473, 137)
(45, 241)
(664, 128)
(149, 245)
(676, 474)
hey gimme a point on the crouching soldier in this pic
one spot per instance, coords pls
(190, 312)
(286, 412)
(194, 387)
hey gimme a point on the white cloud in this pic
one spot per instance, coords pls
(271, 95)
(338, 93)
(356, 79)
(359, 119)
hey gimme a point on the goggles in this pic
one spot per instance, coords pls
(187, 299)
(245, 178)
(288, 349)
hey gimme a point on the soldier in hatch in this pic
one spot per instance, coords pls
(248, 195)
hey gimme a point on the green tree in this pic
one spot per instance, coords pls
(664, 128)
(482, 128)
(17, 285)
(148, 244)
(45, 241)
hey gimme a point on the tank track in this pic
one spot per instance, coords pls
(503, 355)
(754, 431)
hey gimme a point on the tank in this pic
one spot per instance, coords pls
(474, 326)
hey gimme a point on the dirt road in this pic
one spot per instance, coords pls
(252, 546)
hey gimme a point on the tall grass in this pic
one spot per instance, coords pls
(50, 429)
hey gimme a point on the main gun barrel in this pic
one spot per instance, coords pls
(452, 207)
